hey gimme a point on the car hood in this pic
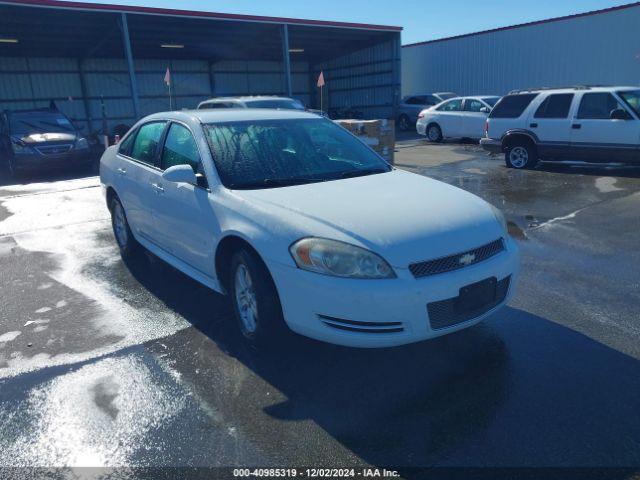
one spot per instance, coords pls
(402, 216)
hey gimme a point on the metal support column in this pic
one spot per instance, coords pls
(397, 73)
(286, 60)
(212, 80)
(132, 74)
(85, 99)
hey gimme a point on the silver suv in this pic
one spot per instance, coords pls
(600, 124)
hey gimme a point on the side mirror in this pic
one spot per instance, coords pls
(180, 174)
(619, 114)
(485, 109)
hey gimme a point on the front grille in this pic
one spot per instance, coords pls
(459, 260)
(443, 314)
(54, 149)
(362, 327)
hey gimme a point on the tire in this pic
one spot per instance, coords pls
(434, 133)
(521, 155)
(404, 123)
(255, 300)
(128, 245)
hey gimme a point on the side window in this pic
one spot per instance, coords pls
(555, 106)
(597, 105)
(451, 106)
(180, 149)
(413, 101)
(125, 145)
(145, 146)
(431, 100)
(472, 105)
(216, 105)
(512, 106)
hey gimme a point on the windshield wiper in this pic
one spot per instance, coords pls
(362, 173)
(275, 182)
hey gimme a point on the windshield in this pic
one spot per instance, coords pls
(276, 153)
(446, 95)
(491, 101)
(27, 123)
(632, 98)
(282, 104)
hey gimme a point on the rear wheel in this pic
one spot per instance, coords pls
(255, 300)
(404, 123)
(434, 133)
(521, 155)
(127, 244)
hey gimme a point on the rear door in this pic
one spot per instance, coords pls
(596, 136)
(450, 118)
(472, 119)
(139, 175)
(551, 123)
(187, 226)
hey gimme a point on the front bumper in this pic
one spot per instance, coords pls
(381, 313)
(37, 161)
(491, 145)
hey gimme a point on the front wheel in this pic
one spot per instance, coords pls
(404, 123)
(127, 244)
(255, 300)
(521, 156)
(434, 133)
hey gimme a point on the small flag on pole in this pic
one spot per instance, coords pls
(167, 77)
(321, 80)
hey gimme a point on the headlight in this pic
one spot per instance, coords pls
(82, 144)
(500, 218)
(339, 259)
(20, 148)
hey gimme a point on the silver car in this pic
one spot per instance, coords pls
(412, 105)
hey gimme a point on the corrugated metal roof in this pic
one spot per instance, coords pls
(520, 25)
(194, 14)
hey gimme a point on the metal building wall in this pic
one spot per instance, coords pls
(367, 80)
(595, 49)
(254, 77)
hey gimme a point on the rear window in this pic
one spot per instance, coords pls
(555, 106)
(512, 106)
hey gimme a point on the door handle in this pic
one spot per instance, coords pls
(157, 187)
(576, 126)
(122, 171)
(534, 125)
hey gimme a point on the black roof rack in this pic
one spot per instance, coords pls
(570, 87)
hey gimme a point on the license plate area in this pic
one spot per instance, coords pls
(475, 296)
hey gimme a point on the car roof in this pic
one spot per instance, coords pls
(232, 115)
(583, 88)
(247, 98)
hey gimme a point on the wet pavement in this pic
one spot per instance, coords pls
(110, 364)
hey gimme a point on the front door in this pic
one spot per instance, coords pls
(187, 226)
(473, 119)
(137, 173)
(596, 136)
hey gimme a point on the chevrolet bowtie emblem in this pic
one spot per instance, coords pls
(467, 259)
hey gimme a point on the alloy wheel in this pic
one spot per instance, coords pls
(518, 156)
(246, 300)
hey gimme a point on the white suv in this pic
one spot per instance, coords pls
(577, 123)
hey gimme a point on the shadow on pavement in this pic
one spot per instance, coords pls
(518, 390)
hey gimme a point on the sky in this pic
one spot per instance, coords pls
(422, 20)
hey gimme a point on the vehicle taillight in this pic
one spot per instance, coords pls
(486, 128)
(421, 115)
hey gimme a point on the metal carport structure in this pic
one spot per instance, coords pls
(95, 58)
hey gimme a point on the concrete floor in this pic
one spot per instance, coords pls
(107, 364)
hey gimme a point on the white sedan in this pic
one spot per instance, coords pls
(461, 117)
(305, 227)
